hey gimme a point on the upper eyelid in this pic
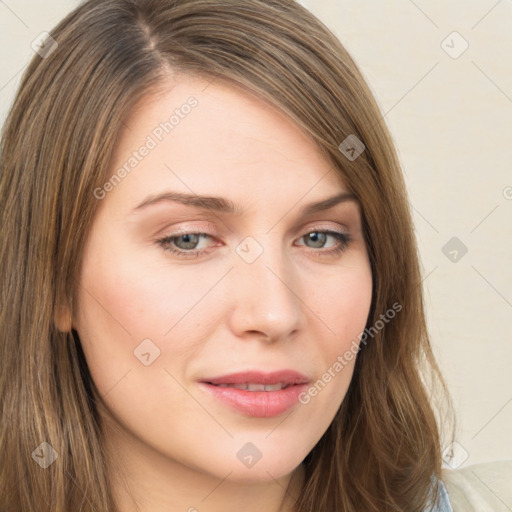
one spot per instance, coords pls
(201, 230)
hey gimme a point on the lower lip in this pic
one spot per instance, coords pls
(262, 404)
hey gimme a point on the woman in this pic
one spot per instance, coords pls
(211, 292)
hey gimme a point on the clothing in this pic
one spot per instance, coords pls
(443, 501)
(485, 487)
(444, 505)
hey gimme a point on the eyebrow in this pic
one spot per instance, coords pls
(223, 205)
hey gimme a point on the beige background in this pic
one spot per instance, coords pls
(450, 113)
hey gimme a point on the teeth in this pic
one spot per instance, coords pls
(255, 387)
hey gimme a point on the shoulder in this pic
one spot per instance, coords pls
(483, 487)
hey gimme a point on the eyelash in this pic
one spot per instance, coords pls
(344, 240)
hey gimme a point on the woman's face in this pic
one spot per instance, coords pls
(164, 311)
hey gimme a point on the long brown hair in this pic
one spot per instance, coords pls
(382, 451)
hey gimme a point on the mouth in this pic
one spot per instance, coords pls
(254, 386)
(258, 394)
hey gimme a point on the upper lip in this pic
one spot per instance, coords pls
(287, 377)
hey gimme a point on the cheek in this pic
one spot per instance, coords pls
(340, 311)
(123, 301)
(141, 298)
(342, 304)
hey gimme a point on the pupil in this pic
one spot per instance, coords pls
(318, 238)
(187, 239)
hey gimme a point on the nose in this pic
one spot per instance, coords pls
(265, 297)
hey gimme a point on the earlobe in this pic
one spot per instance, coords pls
(63, 319)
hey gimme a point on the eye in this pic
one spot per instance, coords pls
(185, 245)
(318, 238)
(186, 242)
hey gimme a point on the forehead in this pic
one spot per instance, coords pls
(215, 138)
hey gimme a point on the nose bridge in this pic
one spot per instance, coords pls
(264, 288)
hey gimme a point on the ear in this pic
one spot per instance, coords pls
(63, 319)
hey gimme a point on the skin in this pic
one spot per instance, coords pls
(171, 444)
